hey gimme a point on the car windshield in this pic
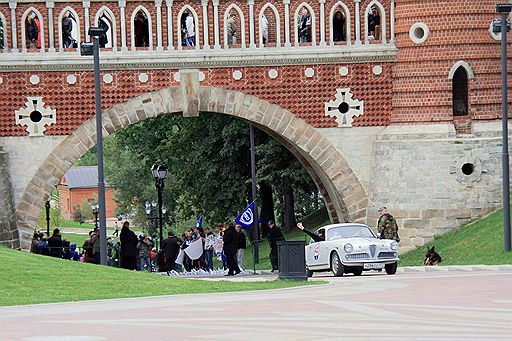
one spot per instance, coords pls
(349, 231)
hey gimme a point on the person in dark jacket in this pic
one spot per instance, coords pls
(230, 240)
(171, 249)
(314, 236)
(55, 244)
(242, 245)
(274, 236)
(128, 247)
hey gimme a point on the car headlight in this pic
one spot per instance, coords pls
(394, 246)
(348, 247)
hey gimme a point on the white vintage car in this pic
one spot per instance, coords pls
(350, 248)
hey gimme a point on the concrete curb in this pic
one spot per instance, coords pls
(456, 268)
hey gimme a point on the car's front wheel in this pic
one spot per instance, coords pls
(391, 268)
(337, 268)
(309, 273)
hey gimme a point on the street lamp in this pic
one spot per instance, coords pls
(47, 206)
(503, 25)
(87, 49)
(95, 210)
(159, 173)
(150, 208)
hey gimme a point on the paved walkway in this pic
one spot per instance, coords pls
(440, 305)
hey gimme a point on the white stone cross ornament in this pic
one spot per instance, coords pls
(35, 116)
(344, 108)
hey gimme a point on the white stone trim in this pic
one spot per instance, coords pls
(112, 37)
(108, 78)
(358, 22)
(170, 41)
(22, 116)
(158, 5)
(196, 25)
(343, 70)
(287, 23)
(143, 77)
(51, 35)
(382, 12)
(204, 5)
(132, 27)
(71, 79)
(273, 73)
(415, 28)
(24, 29)
(242, 25)
(296, 24)
(59, 24)
(355, 108)
(465, 65)
(86, 4)
(348, 27)
(237, 75)
(34, 79)
(122, 17)
(278, 23)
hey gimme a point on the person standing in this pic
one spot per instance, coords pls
(304, 26)
(55, 244)
(274, 236)
(209, 242)
(387, 226)
(190, 36)
(116, 231)
(171, 248)
(230, 240)
(95, 244)
(67, 27)
(128, 247)
(264, 28)
(144, 247)
(231, 29)
(242, 245)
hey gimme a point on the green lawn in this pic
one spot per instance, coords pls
(28, 279)
(479, 242)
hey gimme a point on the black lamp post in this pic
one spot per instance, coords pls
(88, 49)
(159, 173)
(47, 206)
(503, 25)
(150, 209)
(95, 210)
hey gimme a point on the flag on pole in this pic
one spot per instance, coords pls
(195, 249)
(246, 218)
(200, 221)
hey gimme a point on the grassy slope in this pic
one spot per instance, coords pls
(28, 279)
(479, 242)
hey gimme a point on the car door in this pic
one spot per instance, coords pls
(322, 250)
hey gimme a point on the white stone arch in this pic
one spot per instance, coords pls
(242, 24)
(59, 24)
(196, 25)
(465, 65)
(278, 23)
(132, 26)
(24, 29)
(2, 18)
(348, 28)
(113, 30)
(296, 23)
(382, 12)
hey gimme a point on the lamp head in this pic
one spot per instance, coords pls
(162, 172)
(504, 8)
(96, 31)
(86, 49)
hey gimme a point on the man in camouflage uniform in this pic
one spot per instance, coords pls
(387, 226)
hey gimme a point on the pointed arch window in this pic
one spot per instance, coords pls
(188, 22)
(305, 25)
(269, 26)
(107, 21)
(460, 92)
(234, 26)
(375, 23)
(69, 29)
(32, 30)
(141, 28)
(339, 27)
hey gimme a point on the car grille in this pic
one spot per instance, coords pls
(358, 256)
(386, 255)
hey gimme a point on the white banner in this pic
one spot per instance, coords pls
(195, 249)
(179, 259)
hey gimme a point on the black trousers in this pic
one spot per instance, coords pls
(232, 264)
(273, 258)
(129, 262)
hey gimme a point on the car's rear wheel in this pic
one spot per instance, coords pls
(309, 273)
(391, 268)
(337, 268)
(357, 271)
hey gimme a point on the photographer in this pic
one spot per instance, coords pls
(144, 247)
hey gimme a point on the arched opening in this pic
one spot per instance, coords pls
(344, 196)
(339, 27)
(32, 30)
(107, 21)
(460, 92)
(188, 23)
(234, 27)
(375, 23)
(141, 28)
(3, 35)
(269, 27)
(69, 29)
(305, 25)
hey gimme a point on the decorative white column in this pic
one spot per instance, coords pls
(252, 44)
(158, 4)
(206, 43)
(86, 4)
(170, 45)
(14, 37)
(392, 21)
(287, 23)
(322, 22)
(216, 23)
(51, 36)
(122, 7)
(358, 23)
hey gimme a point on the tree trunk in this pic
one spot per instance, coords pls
(289, 206)
(267, 207)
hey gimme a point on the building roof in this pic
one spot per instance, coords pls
(82, 177)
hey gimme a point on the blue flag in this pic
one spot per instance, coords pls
(200, 221)
(246, 218)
